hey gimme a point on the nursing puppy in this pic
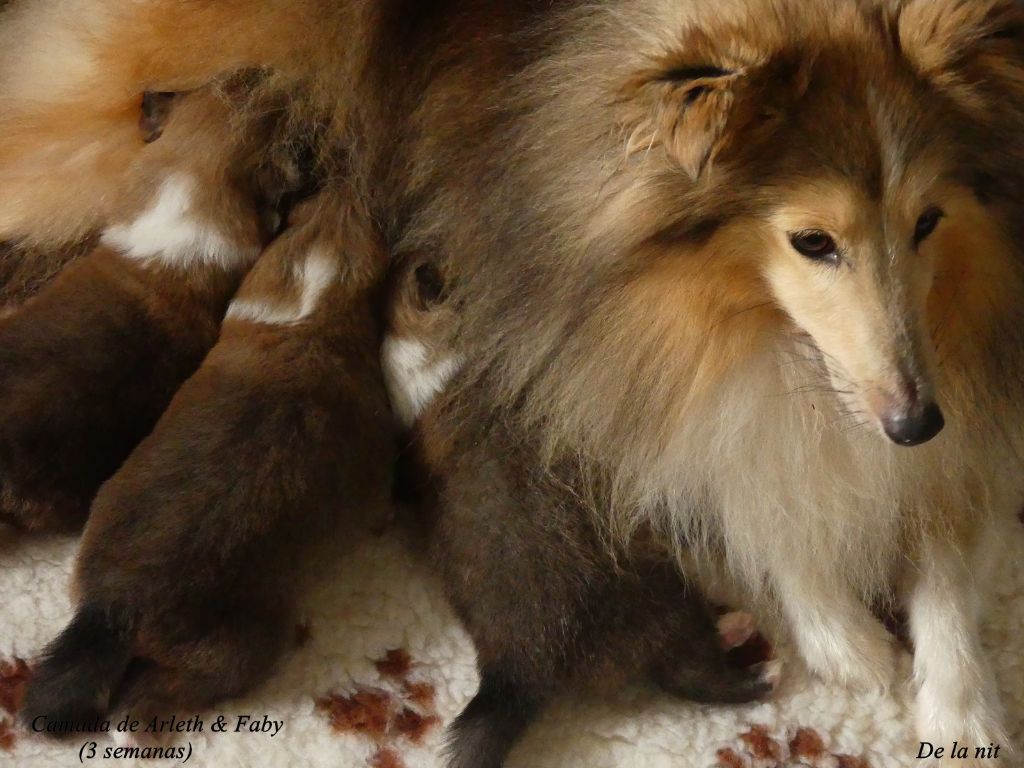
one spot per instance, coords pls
(90, 361)
(179, 605)
(701, 242)
(547, 604)
(28, 267)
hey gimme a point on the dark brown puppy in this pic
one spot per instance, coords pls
(25, 271)
(180, 602)
(549, 605)
(88, 364)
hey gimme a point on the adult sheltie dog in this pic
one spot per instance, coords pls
(752, 267)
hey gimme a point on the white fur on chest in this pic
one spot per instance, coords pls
(171, 232)
(783, 478)
(413, 378)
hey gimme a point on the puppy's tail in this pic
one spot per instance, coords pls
(485, 732)
(78, 670)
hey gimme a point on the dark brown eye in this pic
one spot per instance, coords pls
(927, 224)
(816, 245)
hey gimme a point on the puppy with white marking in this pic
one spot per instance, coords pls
(88, 364)
(417, 353)
(179, 605)
(548, 606)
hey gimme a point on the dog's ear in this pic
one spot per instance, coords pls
(954, 43)
(682, 108)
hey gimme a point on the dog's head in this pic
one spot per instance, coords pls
(852, 169)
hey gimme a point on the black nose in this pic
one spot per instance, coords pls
(916, 426)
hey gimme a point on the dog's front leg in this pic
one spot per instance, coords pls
(957, 698)
(837, 636)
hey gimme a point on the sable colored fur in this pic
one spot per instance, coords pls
(91, 361)
(547, 604)
(634, 303)
(181, 604)
(718, 259)
(26, 271)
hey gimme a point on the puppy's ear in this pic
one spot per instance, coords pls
(954, 42)
(683, 108)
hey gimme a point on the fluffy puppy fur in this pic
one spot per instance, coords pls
(71, 79)
(179, 604)
(90, 362)
(702, 242)
(582, 615)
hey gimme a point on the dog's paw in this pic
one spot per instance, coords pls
(968, 722)
(864, 659)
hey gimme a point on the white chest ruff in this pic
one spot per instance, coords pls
(786, 479)
(170, 231)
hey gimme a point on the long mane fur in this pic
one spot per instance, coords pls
(611, 312)
(609, 306)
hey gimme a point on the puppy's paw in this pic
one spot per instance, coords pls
(718, 684)
(734, 686)
(760, 681)
(735, 629)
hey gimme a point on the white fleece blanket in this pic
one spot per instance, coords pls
(380, 664)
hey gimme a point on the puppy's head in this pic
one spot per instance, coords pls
(417, 356)
(416, 298)
(839, 164)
